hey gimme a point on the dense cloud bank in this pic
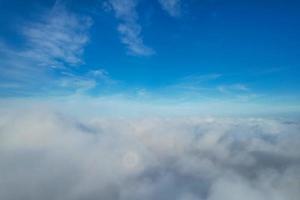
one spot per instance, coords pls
(51, 156)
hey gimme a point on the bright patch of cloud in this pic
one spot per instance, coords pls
(129, 28)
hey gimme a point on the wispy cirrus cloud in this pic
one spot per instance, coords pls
(196, 79)
(212, 87)
(172, 7)
(54, 40)
(129, 28)
(233, 88)
(195, 83)
(58, 38)
(81, 84)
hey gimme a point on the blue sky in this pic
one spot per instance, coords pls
(245, 51)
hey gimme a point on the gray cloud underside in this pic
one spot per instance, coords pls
(50, 156)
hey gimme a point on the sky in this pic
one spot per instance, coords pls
(172, 50)
(149, 99)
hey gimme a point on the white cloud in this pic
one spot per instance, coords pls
(129, 28)
(47, 154)
(79, 84)
(58, 38)
(55, 40)
(172, 7)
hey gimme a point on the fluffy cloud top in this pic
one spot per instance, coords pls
(50, 155)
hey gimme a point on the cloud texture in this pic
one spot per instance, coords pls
(50, 155)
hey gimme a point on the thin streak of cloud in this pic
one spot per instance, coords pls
(81, 84)
(195, 83)
(129, 28)
(201, 78)
(233, 88)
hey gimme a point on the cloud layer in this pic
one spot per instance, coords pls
(47, 154)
